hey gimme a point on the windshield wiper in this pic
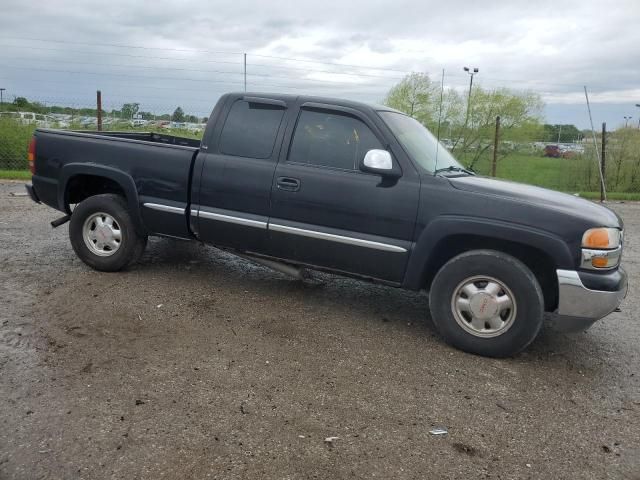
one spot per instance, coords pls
(453, 168)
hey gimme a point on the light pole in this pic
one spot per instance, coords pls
(471, 72)
(626, 121)
(1, 99)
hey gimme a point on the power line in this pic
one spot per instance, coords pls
(288, 59)
(328, 63)
(150, 67)
(113, 45)
(117, 45)
(279, 67)
(76, 72)
(239, 63)
(82, 52)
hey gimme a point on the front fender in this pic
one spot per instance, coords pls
(446, 226)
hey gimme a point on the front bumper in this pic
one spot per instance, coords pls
(579, 307)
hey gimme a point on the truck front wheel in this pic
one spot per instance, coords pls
(103, 234)
(487, 302)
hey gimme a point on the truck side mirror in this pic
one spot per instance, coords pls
(380, 162)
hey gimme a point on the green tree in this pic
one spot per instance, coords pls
(519, 112)
(562, 133)
(21, 103)
(128, 110)
(417, 96)
(178, 115)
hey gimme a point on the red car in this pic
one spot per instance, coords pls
(552, 151)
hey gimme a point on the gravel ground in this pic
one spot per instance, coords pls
(195, 364)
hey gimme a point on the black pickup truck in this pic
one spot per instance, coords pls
(297, 183)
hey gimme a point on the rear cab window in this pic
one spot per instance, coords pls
(250, 129)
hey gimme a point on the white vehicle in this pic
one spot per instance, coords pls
(26, 118)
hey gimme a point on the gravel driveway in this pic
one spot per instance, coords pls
(194, 364)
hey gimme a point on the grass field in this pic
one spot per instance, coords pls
(566, 175)
(15, 174)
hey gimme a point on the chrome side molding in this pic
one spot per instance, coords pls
(164, 208)
(337, 238)
(247, 222)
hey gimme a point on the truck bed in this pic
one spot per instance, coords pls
(146, 137)
(155, 168)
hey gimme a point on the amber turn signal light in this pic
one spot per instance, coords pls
(601, 238)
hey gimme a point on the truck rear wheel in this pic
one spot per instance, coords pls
(487, 302)
(103, 234)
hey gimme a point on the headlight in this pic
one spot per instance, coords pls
(601, 248)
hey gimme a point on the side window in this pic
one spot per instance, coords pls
(331, 140)
(250, 130)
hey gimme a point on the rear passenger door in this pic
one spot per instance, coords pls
(231, 208)
(326, 212)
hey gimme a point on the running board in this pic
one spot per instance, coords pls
(290, 270)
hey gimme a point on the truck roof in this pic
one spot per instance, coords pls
(319, 99)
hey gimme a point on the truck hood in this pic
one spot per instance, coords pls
(540, 197)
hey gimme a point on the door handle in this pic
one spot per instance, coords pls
(289, 184)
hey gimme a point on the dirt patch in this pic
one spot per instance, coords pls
(195, 364)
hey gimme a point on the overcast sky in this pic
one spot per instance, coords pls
(184, 52)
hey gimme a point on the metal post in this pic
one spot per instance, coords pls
(435, 168)
(99, 107)
(1, 99)
(595, 144)
(603, 160)
(494, 163)
(245, 72)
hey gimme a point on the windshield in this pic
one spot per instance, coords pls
(419, 142)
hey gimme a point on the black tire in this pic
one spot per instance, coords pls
(520, 323)
(130, 246)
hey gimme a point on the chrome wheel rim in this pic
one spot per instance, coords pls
(102, 234)
(483, 306)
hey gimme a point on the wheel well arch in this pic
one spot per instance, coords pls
(538, 261)
(82, 186)
(80, 181)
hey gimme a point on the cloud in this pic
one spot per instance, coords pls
(193, 51)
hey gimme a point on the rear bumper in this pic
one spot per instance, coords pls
(579, 307)
(32, 192)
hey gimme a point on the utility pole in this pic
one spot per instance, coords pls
(494, 162)
(471, 72)
(603, 160)
(245, 72)
(1, 99)
(99, 108)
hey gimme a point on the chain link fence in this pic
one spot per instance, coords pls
(18, 123)
(570, 166)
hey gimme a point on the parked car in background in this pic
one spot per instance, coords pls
(27, 118)
(195, 127)
(552, 151)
